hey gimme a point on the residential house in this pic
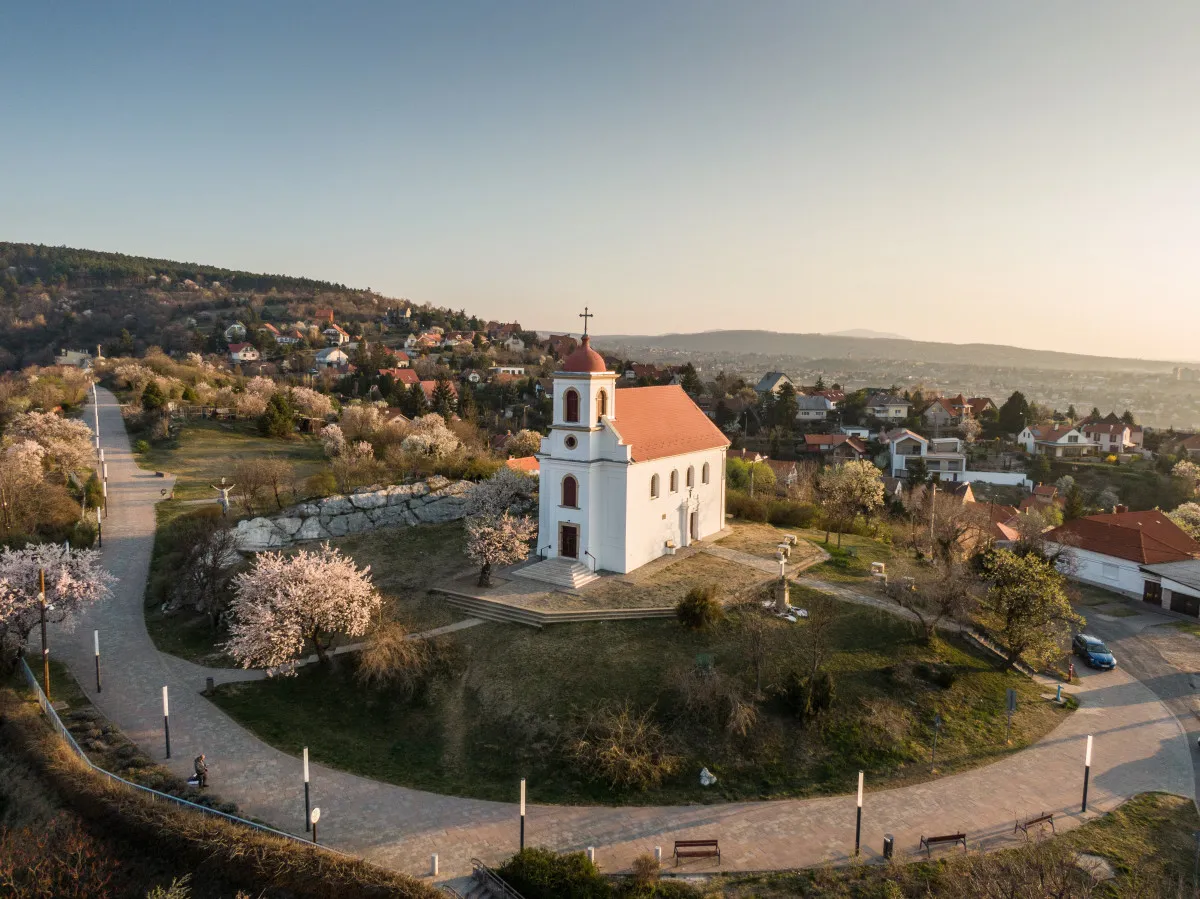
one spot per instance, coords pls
(1190, 447)
(513, 343)
(1178, 586)
(332, 357)
(943, 457)
(1043, 497)
(235, 332)
(243, 352)
(405, 376)
(518, 370)
(1109, 437)
(324, 315)
(863, 434)
(888, 407)
(562, 345)
(771, 382)
(1111, 550)
(291, 337)
(335, 335)
(981, 406)
(430, 386)
(270, 329)
(835, 447)
(1060, 442)
(639, 370)
(940, 413)
(814, 408)
(527, 464)
(748, 456)
(74, 358)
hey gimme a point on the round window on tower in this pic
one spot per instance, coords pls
(570, 441)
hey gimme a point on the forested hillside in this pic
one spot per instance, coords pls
(55, 298)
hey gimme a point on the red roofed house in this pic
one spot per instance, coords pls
(1109, 550)
(627, 476)
(1109, 437)
(242, 352)
(835, 446)
(430, 386)
(1065, 442)
(527, 464)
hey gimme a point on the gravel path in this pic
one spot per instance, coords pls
(1139, 747)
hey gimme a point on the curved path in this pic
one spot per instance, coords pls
(1139, 747)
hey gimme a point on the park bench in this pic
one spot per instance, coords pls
(1036, 821)
(696, 849)
(927, 843)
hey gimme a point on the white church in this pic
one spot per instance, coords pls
(626, 476)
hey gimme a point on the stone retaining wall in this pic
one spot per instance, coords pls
(434, 500)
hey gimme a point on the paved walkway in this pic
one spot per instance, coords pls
(1139, 747)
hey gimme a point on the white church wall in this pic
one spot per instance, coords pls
(652, 522)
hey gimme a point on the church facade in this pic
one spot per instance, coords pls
(626, 476)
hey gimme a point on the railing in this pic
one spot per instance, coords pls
(61, 728)
(493, 881)
(593, 558)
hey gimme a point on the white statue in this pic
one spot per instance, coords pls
(224, 499)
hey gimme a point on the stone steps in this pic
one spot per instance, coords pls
(559, 573)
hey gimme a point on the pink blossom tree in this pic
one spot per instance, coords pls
(311, 403)
(498, 540)
(67, 442)
(74, 579)
(286, 602)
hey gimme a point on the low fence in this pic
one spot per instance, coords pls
(57, 724)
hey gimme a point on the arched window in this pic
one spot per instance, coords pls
(571, 405)
(675, 482)
(601, 405)
(653, 486)
(691, 477)
(704, 474)
(570, 492)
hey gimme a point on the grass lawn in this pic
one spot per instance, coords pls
(1148, 841)
(506, 703)
(1188, 627)
(657, 585)
(763, 540)
(852, 562)
(204, 451)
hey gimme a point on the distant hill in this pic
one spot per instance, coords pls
(867, 333)
(833, 346)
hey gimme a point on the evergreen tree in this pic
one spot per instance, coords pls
(1074, 503)
(153, 398)
(1128, 419)
(1095, 414)
(1039, 470)
(277, 420)
(1071, 413)
(467, 408)
(918, 472)
(1014, 414)
(443, 399)
(690, 381)
(820, 385)
(786, 408)
(723, 414)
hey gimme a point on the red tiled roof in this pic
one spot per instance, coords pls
(1050, 435)
(1144, 537)
(663, 421)
(527, 464)
(1104, 428)
(744, 454)
(237, 347)
(430, 386)
(979, 404)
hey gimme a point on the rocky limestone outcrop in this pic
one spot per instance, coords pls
(437, 499)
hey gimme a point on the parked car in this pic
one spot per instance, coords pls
(1093, 652)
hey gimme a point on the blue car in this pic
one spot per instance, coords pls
(1093, 652)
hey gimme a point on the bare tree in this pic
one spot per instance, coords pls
(210, 554)
(251, 479)
(280, 476)
(933, 592)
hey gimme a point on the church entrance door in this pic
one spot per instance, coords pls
(568, 541)
(694, 526)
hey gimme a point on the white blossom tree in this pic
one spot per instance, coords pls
(67, 442)
(849, 489)
(21, 473)
(505, 491)
(498, 540)
(285, 603)
(333, 440)
(523, 443)
(1187, 517)
(360, 422)
(74, 579)
(970, 429)
(311, 403)
(429, 436)
(1190, 472)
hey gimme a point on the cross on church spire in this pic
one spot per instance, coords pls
(585, 315)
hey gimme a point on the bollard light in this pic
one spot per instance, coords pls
(1087, 771)
(96, 640)
(522, 814)
(858, 817)
(166, 721)
(307, 812)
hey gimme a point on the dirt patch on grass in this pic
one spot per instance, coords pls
(763, 540)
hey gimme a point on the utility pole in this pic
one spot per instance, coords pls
(45, 647)
(932, 515)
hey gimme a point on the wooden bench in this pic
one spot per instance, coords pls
(927, 843)
(1036, 821)
(696, 849)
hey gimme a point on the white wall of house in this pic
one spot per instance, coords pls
(1109, 572)
(1007, 478)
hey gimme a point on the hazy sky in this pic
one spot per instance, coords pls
(1012, 172)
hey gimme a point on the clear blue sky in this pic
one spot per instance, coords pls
(1016, 172)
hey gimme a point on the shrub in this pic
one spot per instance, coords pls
(141, 446)
(622, 747)
(807, 697)
(323, 483)
(940, 675)
(543, 874)
(714, 699)
(744, 506)
(789, 514)
(644, 871)
(700, 609)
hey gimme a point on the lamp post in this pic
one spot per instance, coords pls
(522, 814)
(96, 639)
(937, 727)
(45, 645)
(858, 820)
(1087, 770)
(166, 721)
(99, 530)
(307, 812)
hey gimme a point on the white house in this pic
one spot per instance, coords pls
(1108, 437)
(1178, 586)
(944, 456)
(771, 382)
(626, 476)
(814, 408)
(888, 407)
(518, 370)
(243, 352)
(74, 358)
(1060, 443)
(235, 332)
(332, 357)
(1110, 550)
(514, 344)
(335, 336)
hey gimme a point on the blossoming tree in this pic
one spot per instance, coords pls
(74, 579)
(67, 442)
(498, 540)
(286, 602)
